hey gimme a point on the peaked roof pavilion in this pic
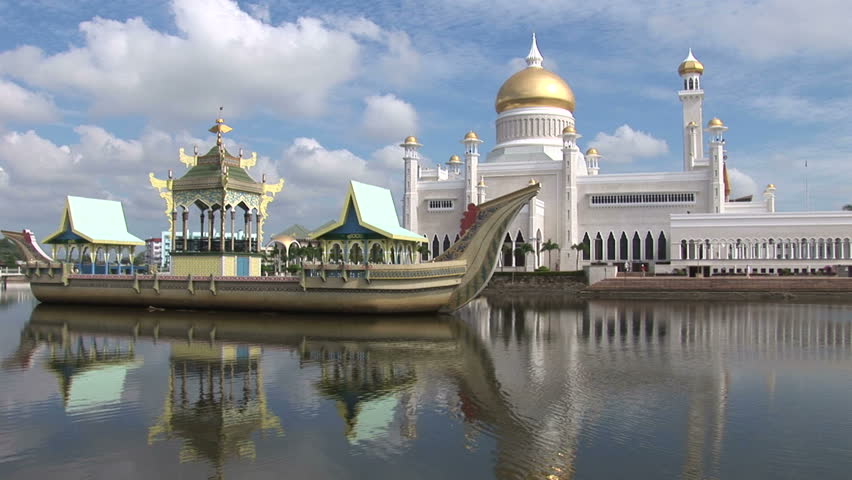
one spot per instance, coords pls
(373, 210)
(95, 221)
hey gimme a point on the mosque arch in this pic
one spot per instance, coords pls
(598, 247)
(587, 247)
(436, 246)
(649, 246)
(520, 258)
(623, 250)
(637, 247)
(446, 243)
(662, 254)
(610, 247)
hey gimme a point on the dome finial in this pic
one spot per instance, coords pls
(534, 58)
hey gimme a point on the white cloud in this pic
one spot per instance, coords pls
(741, 184)
(221, 55)
(388, 118)
(626, 145)
(389, 156)
(99, 165)
(260, 11)
(18, 104)
(317, 179)
(4, 178)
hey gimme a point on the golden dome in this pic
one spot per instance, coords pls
(534, 87)
(471, 135)
(592, 151)
(454, 159)
(715, 122)
(770, 186)
(690, 65)
(569, 129)
(481, 182)
(410, 139)
(692, 124)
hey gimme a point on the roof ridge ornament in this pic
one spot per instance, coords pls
(220, 128)
(534, 58)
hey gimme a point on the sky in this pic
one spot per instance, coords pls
(94, 95)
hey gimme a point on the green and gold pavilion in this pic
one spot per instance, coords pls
(214, 190)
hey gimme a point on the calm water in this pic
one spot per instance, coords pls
(509, 388)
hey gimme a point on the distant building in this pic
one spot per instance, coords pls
(154, 251)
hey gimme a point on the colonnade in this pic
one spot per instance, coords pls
(766, 249)
(625, 246)
(529, 126)
(212, 239)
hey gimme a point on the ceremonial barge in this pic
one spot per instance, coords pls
(365, 262)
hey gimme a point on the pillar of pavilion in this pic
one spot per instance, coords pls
(228, 205)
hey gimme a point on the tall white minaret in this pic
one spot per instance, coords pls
(692, 97)
(570, 160)
(471, 171)
(411, 157)
(481, 188)
(717, 162)
(593, 161)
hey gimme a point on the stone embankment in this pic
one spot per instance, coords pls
(676, 288)
(745, 288)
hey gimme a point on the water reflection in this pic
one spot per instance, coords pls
(543, 388)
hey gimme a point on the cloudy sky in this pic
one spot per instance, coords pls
(96, 94)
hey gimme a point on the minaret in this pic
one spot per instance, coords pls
(570, 160)
(769, 198)
(692, 97)
(454, 165)
(593, 161)
(411, 157)
(471, 157)
(717, 161)
(480, 191)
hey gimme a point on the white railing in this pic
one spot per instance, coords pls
(10, 271)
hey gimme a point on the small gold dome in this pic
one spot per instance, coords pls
(592, 151)
(454, 159)
(481, 182)
(715, 122)
(410, 139)
(471, 135)
(534, 87)
(532, 181)
(771, 186)
(692, 124)
(690, 65)
(569, 129)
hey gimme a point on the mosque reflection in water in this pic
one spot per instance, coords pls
(537, 377)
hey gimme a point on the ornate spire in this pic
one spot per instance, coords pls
(534, 58)
(220, 128)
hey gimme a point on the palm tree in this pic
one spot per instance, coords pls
(847, 207)
(423, 250)
(581, 248)
(549, 246)
(523, 249)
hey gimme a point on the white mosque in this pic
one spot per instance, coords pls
(659, 221)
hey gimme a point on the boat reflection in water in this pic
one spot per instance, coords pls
(542, 383)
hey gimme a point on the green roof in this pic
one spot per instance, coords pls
(375, 210)
(96, 221)
(295, 231)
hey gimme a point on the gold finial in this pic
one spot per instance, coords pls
(220, 128)
(481, 182)
(532, 181)
(592, 151)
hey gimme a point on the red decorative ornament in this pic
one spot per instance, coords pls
(468, 218)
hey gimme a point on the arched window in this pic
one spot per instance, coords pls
(622, 247)
(507, 251)
(598, 247)
(637, 246)
(520, 258)
(587, 244)
(683, 251)
(610, 247)
(446, 242)
(356, 254)
(661, 247)
(436, 247)
(649, 247)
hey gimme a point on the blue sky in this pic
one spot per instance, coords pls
(94, 95)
